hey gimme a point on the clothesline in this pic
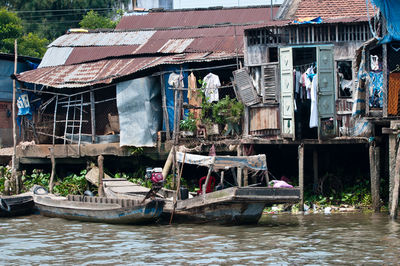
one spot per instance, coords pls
(308, 64)
(194, 69)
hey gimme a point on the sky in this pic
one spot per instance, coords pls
(226, 3)
(178, 4)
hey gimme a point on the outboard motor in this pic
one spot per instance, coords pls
(157, 181)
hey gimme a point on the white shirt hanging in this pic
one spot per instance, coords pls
(211, 88)
(314, 102)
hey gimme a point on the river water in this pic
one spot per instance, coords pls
(278, 239)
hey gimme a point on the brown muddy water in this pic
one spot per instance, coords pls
(279, 239)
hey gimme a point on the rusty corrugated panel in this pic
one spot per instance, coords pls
(103, 39)
(105, 71)
(175, 46)
(196, 17)
(86, 74)
(86, 54)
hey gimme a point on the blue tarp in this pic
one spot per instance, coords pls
(316, 20)
(169, 93)
(391, 11)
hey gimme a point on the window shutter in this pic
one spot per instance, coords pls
(271, 82)
(244, 88)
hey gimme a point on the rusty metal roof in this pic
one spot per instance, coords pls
(83, 59)
(106, 71)
(181, 18)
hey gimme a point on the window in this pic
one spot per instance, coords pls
(344, 79)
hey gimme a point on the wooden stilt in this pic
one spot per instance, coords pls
(374, 169)
(315, 168)
(301, 175)
(92, 115)
(392, 164)
(239, 169)
(396, 184)
(53, 169)
(210, 169)
(100, 161)
(14, 156)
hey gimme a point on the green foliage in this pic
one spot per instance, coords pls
(32, 45)
(11, 28)
(57, 16)
(72, 184)
(136, 151)
(227, 110)
(93, 20)
(38, 177)
(5, 174)
(358, 195)
(169, 182)
(189, 123)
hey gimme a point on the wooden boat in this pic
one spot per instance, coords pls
(16, 205)
(234, 205)
(99, 209)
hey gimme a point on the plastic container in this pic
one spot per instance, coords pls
(184, 193)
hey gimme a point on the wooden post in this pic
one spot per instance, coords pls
(301, 175)
(246, 121)
(92, 115)
(374, 170)
(164, 107)
(396, 184)
(392, 165)
(315, 168)
(239, 169)
(210, 169)
(177, 193)
(167, 164)
(245, 177)
(55, 120)
(53, 169)
(100, 161)
(14, 156)
(222, 178)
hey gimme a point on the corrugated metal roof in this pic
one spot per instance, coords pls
(105, 71)
(183, 18)
(100, 57)
(103, 39)
(86, 54)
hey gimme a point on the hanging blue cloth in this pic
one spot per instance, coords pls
(391, 11)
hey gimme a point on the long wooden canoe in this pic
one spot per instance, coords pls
(99, 209)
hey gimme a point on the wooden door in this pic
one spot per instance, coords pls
(287, 93)
(326, 92)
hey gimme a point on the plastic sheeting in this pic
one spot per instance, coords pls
(391, 11)
(6, 69)
(256, 162)
(169, 94)
(139, 110)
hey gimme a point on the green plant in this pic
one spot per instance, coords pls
(135, 150)
(5, 174)
(38, 177)
(189, 123)
(72, 184)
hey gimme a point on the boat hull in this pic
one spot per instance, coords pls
(115, 211)
(237, 213)
(16, 206)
